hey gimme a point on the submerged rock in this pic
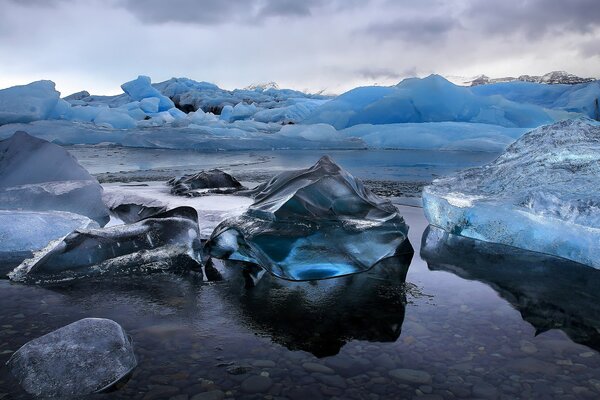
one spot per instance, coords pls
(212, 181)
(41, 176)
(549, 292)
(85, 357)
(166, 241)
(315, 223)
(542, 194)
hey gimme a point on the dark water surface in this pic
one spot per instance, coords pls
(458, 320)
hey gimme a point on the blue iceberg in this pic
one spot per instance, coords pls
(540, 195)
(311, 224)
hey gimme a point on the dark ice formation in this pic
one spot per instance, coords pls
(166, 241)
(314, 223)
(85, 357)
(549, 292)
(40, 176)
(132, 208)
(212, 181)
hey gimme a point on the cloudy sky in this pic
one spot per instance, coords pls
(303, 44)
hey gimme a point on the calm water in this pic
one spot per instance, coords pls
(467, 320)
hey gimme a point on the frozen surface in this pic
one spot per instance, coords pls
(23, 232)
(27, 103)
(211, 209)
(540, 195)
(37, 175)
(166, 241)
(314, 223)
(463, 136)
(578, 98)
(79, 359)
(431, 99)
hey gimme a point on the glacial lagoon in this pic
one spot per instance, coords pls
(458, 319)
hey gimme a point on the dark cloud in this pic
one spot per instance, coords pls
(425, 29)
(533, 18)
(213, 12)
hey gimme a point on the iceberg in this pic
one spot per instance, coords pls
(540, 195)
(312, 224)
(82, 358)
(141, 88)
(24, 232)
(211, 181)
(549, 292)
(165, 241)
(27, 103)
(37, 175)
(431, 99)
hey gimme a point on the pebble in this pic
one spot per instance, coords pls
(411, 375)
(160, 392)
(315, 367)
(263, 363)
(485, 391)
(212, 395)
(256, 384)
(331, 380)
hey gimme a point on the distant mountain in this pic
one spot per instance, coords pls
(551, 78)
(263, 86)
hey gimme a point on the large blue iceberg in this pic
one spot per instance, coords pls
(542, 194)
(314, 223)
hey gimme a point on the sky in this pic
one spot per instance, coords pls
(311, 45)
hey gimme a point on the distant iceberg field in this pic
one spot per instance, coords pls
(429, 113)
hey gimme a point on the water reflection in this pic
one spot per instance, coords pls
(549, 292)
(321, 316)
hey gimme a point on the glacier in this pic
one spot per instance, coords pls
(541, 194)
(41, 176)
(312, 224)
(431, 99)
(164, 241)
(82, 358)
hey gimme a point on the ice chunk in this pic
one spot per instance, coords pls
(150, 104)
(188, 185)
(540, 195)
(166, 241)
(23, 232)
(130, 207)
(85, 357)
(315, 223)
(27, 103)
(140, 89)
(322, 317)
(114, 118)
(541, 287)
(431, 99)
(37, 175)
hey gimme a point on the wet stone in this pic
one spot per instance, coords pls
(331, 380)
(211, 395)
(263, 364)
(411, 376)
(316, 367)
(256, 384)
(485, 391)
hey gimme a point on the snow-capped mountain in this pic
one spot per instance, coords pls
(551, 78)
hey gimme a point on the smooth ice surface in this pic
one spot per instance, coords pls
(549, 292)
(27, 103)
(165, 241)
(37, 175)
(431, 99)
(23, 232)
(314, 223)
(79, 359)
(541, 194)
